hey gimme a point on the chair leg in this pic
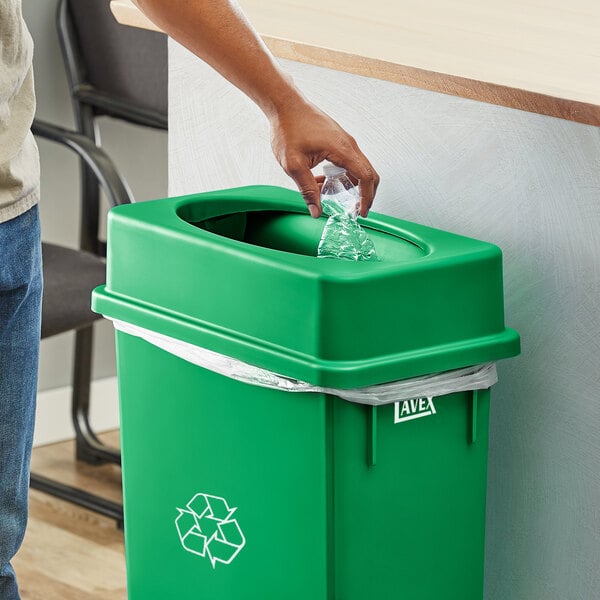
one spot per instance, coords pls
(105, 507)
(89, 448)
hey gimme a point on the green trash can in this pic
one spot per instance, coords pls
(234, 491)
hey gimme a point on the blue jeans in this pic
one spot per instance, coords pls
(20, 316)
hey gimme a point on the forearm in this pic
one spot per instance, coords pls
(218, 32)
(302, 136)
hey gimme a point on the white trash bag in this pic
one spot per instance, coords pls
(478, 377)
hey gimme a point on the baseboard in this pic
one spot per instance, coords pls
(53, 416)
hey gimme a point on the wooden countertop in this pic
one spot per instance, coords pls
(542, 56)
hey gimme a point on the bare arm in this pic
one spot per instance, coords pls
(301, 135)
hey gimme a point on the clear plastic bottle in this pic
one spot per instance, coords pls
(343, 237)
(339, 191)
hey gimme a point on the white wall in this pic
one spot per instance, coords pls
(527, 182)
(140, 154)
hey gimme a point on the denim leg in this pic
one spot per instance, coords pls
(20, 308)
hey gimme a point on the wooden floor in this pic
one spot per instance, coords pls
(70, 553)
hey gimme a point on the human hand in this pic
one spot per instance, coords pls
(302, 136)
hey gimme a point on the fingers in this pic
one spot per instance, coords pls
(367, 186)
(358, 168)
(363, 174)
(308, 186)
(307, 136)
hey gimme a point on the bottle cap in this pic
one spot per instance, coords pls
(331, 170)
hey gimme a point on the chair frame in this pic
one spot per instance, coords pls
(88, 104)
(117, 192)
(97, 171)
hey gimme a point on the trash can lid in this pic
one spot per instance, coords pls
(235, 271)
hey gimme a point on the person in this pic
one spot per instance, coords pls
(302, 136)
(20, 284)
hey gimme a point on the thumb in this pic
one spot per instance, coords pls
(309, 188)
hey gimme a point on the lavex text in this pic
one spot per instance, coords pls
(407, 410)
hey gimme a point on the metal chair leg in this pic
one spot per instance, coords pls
(89, 448)
(79, 497)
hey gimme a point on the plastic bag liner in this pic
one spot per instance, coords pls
(478, 377)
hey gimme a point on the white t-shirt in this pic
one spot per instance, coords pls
(19, 162)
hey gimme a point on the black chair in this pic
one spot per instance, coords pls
(70, 275)
(118, 72)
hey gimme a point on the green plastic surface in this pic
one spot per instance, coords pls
(235, 271)
(320, 521)
(310, 497)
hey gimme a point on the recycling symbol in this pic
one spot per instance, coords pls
(206, 528)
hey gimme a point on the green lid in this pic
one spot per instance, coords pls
(235, 271)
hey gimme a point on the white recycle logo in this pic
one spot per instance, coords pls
(207, 529)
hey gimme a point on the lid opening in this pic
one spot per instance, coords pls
(296, 233)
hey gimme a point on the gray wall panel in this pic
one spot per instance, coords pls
(529, 183)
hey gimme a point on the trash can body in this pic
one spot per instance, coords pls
(238, 492)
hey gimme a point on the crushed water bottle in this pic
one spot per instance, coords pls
(339, 191)
(342, 237)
